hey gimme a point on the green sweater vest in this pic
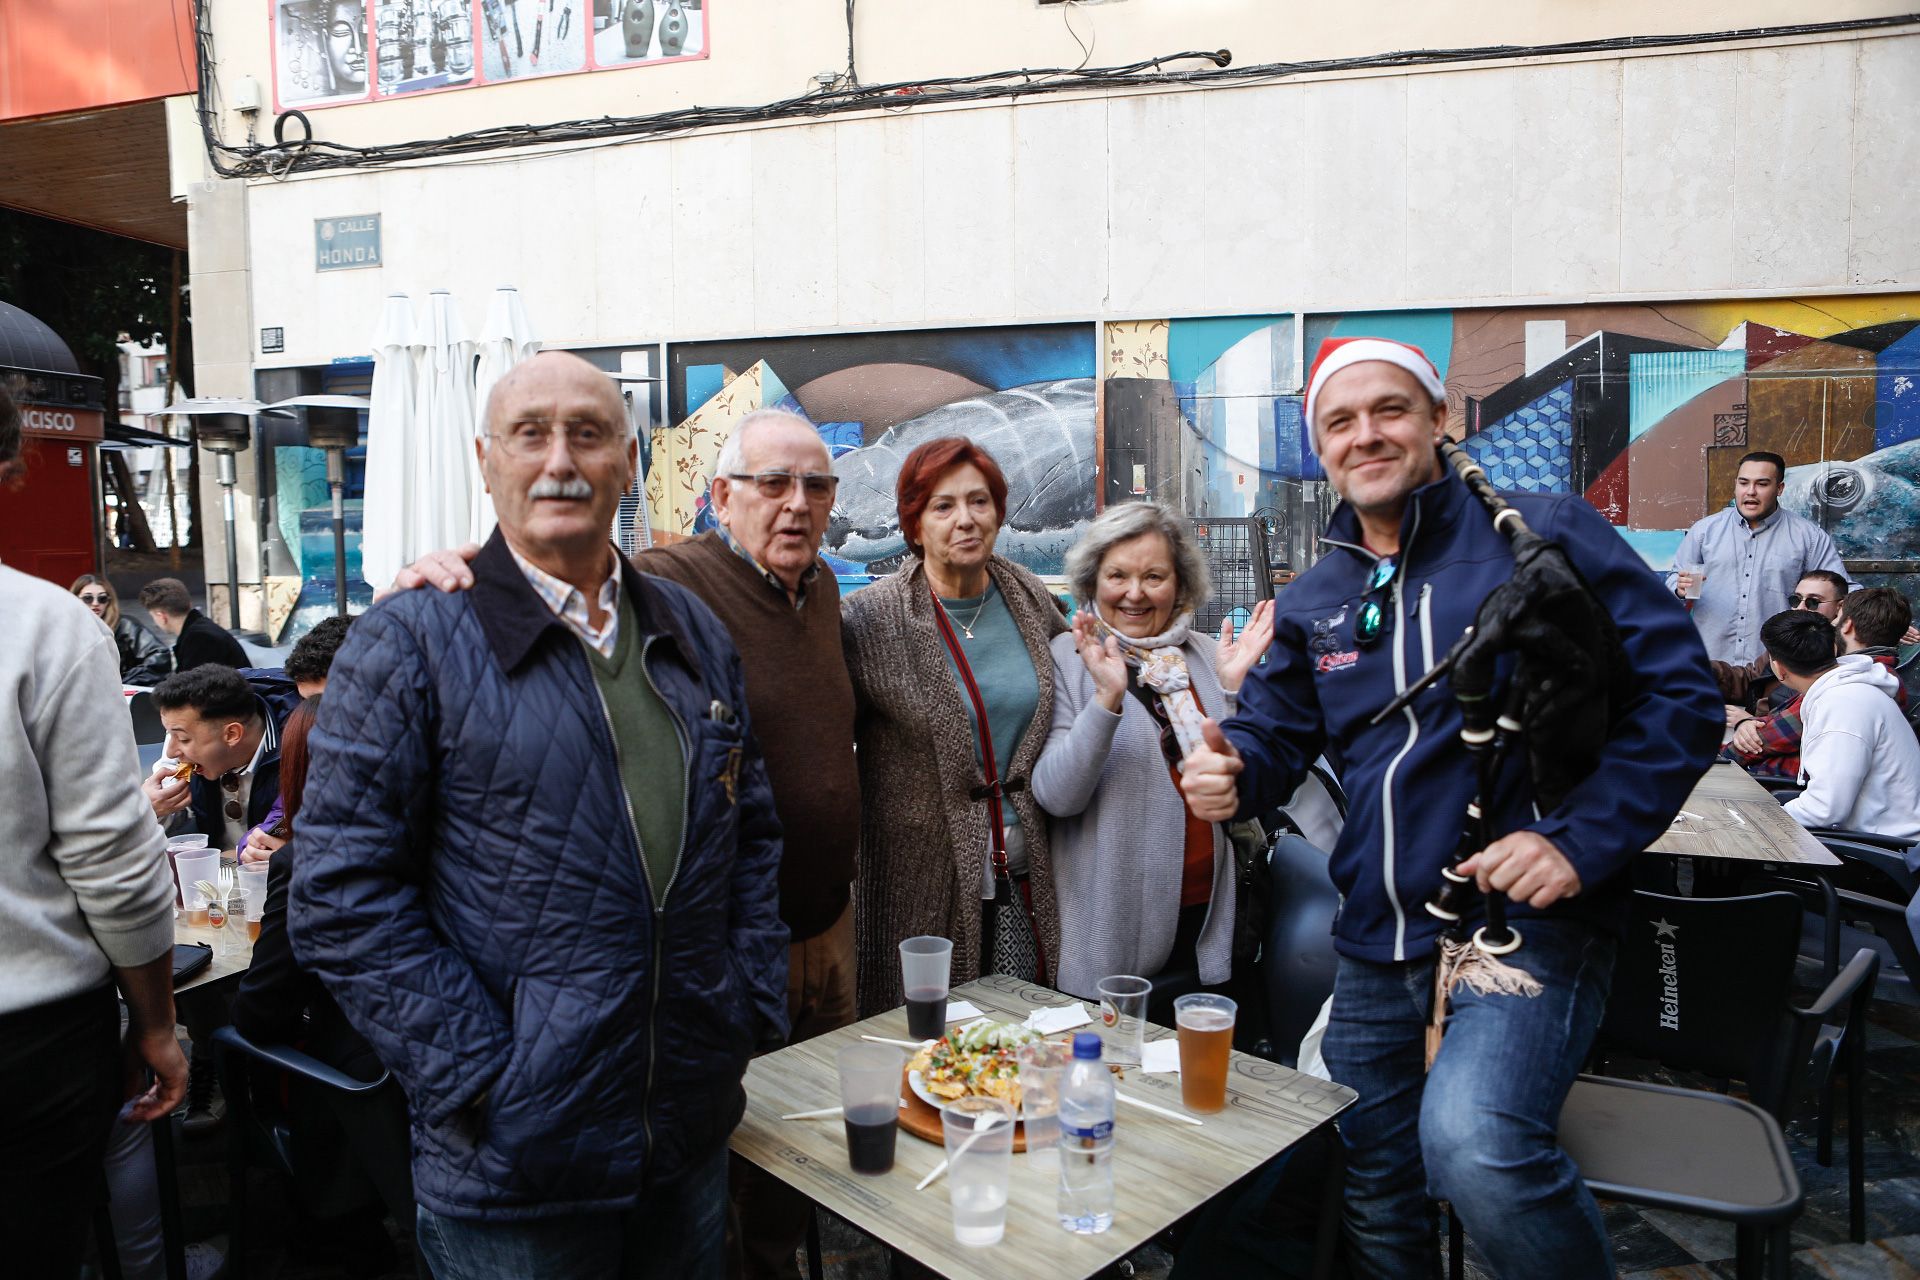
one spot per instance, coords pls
(646, 742)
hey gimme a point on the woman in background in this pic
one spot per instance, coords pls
(143, 659)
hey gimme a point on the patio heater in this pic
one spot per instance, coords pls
(224, 435)
(333, 424)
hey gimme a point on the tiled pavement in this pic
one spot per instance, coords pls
(1647, 1245)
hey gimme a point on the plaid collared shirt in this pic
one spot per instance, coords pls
(767, 575)
(569, 603)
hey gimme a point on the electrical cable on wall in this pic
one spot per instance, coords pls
(317, 154)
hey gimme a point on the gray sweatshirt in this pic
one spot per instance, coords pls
(84, 883)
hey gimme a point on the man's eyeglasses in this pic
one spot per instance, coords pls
(1794, 601)
(585, 438)
(775, 485)
(95, 599)
(1373, 615)
(230, 783)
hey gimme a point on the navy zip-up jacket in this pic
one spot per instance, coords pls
(470, 890)
(1407, 779)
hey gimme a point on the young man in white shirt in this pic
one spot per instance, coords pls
(1859, 763)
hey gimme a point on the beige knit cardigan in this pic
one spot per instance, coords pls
(923, 838)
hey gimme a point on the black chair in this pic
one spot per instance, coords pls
(1782, 789)
(252, 1134)
(1704, 985)
(1297, 958)
(149, 735)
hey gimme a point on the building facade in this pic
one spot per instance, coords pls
(1638, 239)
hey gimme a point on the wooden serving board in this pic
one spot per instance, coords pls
(922, 1121)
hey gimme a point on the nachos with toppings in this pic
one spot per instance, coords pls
(976, 1058)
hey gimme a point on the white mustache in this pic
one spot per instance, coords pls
(575, 488)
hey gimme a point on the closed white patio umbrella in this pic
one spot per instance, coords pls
(385, 541)
(444, 473)
(505, 341)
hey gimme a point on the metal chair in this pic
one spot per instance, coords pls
(1704, 984)
(251, 1134)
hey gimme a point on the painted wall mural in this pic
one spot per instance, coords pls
(1643, 409)
(1025, 394)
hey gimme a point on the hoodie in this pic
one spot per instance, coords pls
(1859, 763)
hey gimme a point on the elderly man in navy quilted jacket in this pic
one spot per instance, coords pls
(539, 871)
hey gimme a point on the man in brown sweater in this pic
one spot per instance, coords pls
(773, 491)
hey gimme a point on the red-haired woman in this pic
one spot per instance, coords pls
(950, 665)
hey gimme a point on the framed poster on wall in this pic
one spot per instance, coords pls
(422, 44)
(319, 52)
(629, 32)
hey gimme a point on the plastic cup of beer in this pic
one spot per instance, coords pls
(925, 963)
(1042, 1066)
(194, 869)
(177, 845)
(1123, 1017)
(253, 886)
(1205, 1026)
(979, 1139)
(870, 1102)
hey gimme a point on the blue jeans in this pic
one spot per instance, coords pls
(677, 1230)
(1479, 1130)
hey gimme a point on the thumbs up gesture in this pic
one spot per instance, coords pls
(1211, 777)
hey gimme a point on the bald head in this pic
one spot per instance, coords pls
(545, 371)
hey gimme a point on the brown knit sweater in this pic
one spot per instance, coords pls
(923, 838)
(800, 705)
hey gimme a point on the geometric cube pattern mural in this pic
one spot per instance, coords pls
(1531, 448)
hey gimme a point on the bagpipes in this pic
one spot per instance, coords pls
(1569, 679)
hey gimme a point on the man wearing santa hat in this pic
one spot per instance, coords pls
(1411, 554)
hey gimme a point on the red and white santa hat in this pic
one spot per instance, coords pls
(1336, 354)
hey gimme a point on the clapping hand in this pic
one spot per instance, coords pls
(1104, 663)
(1237, 656)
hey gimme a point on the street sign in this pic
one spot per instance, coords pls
(345, 244)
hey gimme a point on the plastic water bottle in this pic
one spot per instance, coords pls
(1086, 1140)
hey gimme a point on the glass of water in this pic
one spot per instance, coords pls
(979, 1140)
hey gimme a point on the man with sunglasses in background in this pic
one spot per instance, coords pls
(1412, 553)
(1749, 689)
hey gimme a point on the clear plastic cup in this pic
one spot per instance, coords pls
(1123, 1017)
(979, 1140)
(1205, 1026)
(253, 887)
(1041, 1068)
(177, 845)
(1697, 576)
(870, 1099)
(193, 869)
(925, 963)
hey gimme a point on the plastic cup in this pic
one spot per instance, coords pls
(870, 1097)
(1123, 1014)
(924, 965)
(979, 1138)
(177, 845)
(190, 869)
(1205, 1026)
(1042, 1066)
(253, 886)
(1698, 575)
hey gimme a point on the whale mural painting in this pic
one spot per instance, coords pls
(1042, 437)
(1023, 393)
(1870, 505)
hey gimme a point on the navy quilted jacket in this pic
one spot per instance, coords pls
(470, 890)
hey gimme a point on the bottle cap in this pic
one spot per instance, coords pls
(1086, 1044)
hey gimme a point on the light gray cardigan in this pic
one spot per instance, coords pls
(1118, 831)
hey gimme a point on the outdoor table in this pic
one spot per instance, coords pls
(1729, 815)
(232, 952)
(1163, 1168)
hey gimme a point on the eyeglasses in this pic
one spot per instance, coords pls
(775, 485)
(96, 599)
(1794, 601)
(532, 438)
(1373, 615)
(230, 783)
